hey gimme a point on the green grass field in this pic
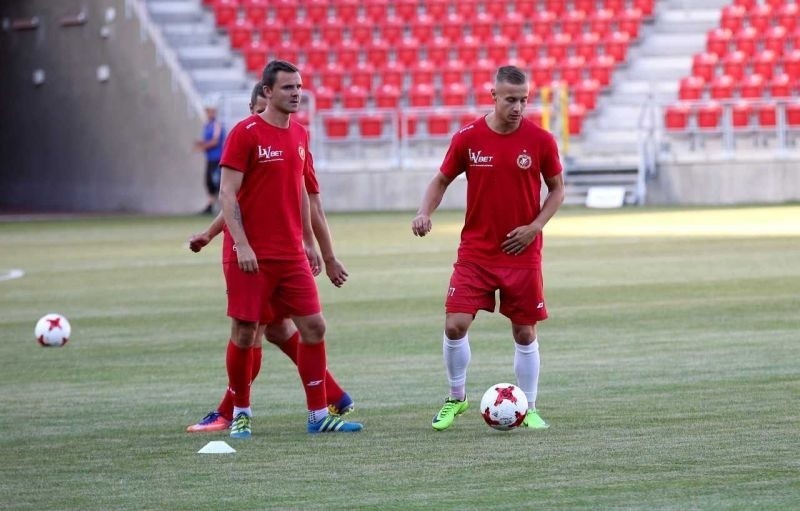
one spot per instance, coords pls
(671, 371)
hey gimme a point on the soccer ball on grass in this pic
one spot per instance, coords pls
(52, 330)
(504, 406)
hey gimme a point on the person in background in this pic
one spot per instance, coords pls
(211, 144)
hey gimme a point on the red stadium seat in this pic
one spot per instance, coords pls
(734, 63)
(691, 88)
(542, 23)
(615, 6)
(704, 64)
(466, 8)
(587, 6)
(526, 8)
(676, 117)
(616, 45)
(793, 113)
(370, 126)
(495, 9)
(453, 72)
(317, 55)
(752, 86)
(497, 49)
(746, 4)
(337, 127)
(285, 10)
(377, 53)
(741, 111)
(454, 94)
(556, 6)
(571, 70)
(346, 11)
(422, 28)
(301, 32)
(600, 22)
(602, 68)
(393, 73)
(387, 96)
(421, 94)
(355, 96)
(467, 49)
(587, 44)
(376, 10)
(408, 51)
(791, 64)
(482, 93)
(225, 12)
(746, 40)
(482, 26)
(718, 41)
(558, 45)
(722, 87)
(255, 11)
(788, 16)
(468, 117)
(271, 33)
(391, 29)
(512, 25)
(528, 48)
(255, 56)
(708, 115)
(575, 114)
(760, 17)
(481, 72)
(240, 33)
(780, 86)
(542, 71)
(775, 40)
(332, 76)
(767, 114)
(438, 9)
(629, 22)
(439, 124)
(764, 63)
(452, 27)
(362, 74)
(361, 30)
(324, 98)
(586, 92)
(346, 53)
(438, 50)
(646, 6)
(423, 71)
(331, 31)
(732, 17)
(316, 11)
(286, 50)
(572, 22)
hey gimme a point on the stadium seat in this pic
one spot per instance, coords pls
(324, 98)
(271, 32)
(528, 48)
(602, 68)
(586, 6)
(571, 70)
(255, 11)
(317, 55)
(718, 41)
(600, 22)
(301, 32)
(767, 114)
(587, 44)
(407, 124)
(393, 73)
(362, 75)
(346, 11)
(438, 124)
(512, 25)
(616, 45)
(775, 40)
(629, 22)
(793, 113)
(572, 22)
(746, 40)
(764, 63)
(691, 88)
(225, 12)
(285, 10)
(722, 87)
(332, 76)
(421, 28)
(646, 6)
(497, 48)
(362, 30)
(676, 117)
(377, 53)
(708, 115)
(438, 50)
(526, 8)
(454, 94)
(482, 93)
(315, 11)
(704, 65)
(732, 17)
(370, 126)
(733, 64)
(542, 23)
(355, 96)
(346, 53)
(482, 26)
(557, 7)
(387, 96)
(746, 4)
(337, 127)
(285, 50)
(255, 56)
(467, 49)
(586, 92)
(408, 51)
(466, 8)
(741, 111)
(791, 64)
(780, 86)
(406, 10)
(752, 86)
(452, 27)
(240, 33)
(376, 10)
(438, 9)
(760, 17)
(788, 16)
(615, 6)
(481, 72)
(421, 94)
(453, 72)
(557, 45)
(391, 29)
(496, 10)
(575, 115)
(423, 71)
(331, 31)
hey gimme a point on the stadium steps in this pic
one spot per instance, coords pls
(201, 50)
(579, 179)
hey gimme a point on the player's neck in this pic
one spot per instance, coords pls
(500, 127)
(276, 117)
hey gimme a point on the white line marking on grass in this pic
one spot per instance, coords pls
(11, 274)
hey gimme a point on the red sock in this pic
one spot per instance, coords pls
(225, 407)
(289, 346)
(311, 365)
(239, 362)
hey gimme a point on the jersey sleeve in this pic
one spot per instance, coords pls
(454, 162)
(310, 175)
(551, 162)
(237, 152)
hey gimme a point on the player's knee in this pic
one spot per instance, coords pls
(455, 331)
(312, 331)
(244, 333)
(280, 332)
(524, 334)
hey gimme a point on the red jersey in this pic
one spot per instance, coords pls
(275, 162)
(504, 180)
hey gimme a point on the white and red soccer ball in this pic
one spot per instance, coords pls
(52, 330)
(504, 406)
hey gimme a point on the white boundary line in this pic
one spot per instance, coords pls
(11, 274)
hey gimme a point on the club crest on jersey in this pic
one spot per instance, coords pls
(267, 154)
(302, 152)
(524, 161)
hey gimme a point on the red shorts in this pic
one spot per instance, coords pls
(473, 286)
(280, 287)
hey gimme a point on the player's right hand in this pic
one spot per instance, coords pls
(421, 225)
(198, 241)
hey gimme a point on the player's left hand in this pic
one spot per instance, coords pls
(314, 259)
(336, 272)
(518, 239)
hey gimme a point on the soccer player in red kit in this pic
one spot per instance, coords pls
(264, 204)
(280, 330)
(505, 158)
